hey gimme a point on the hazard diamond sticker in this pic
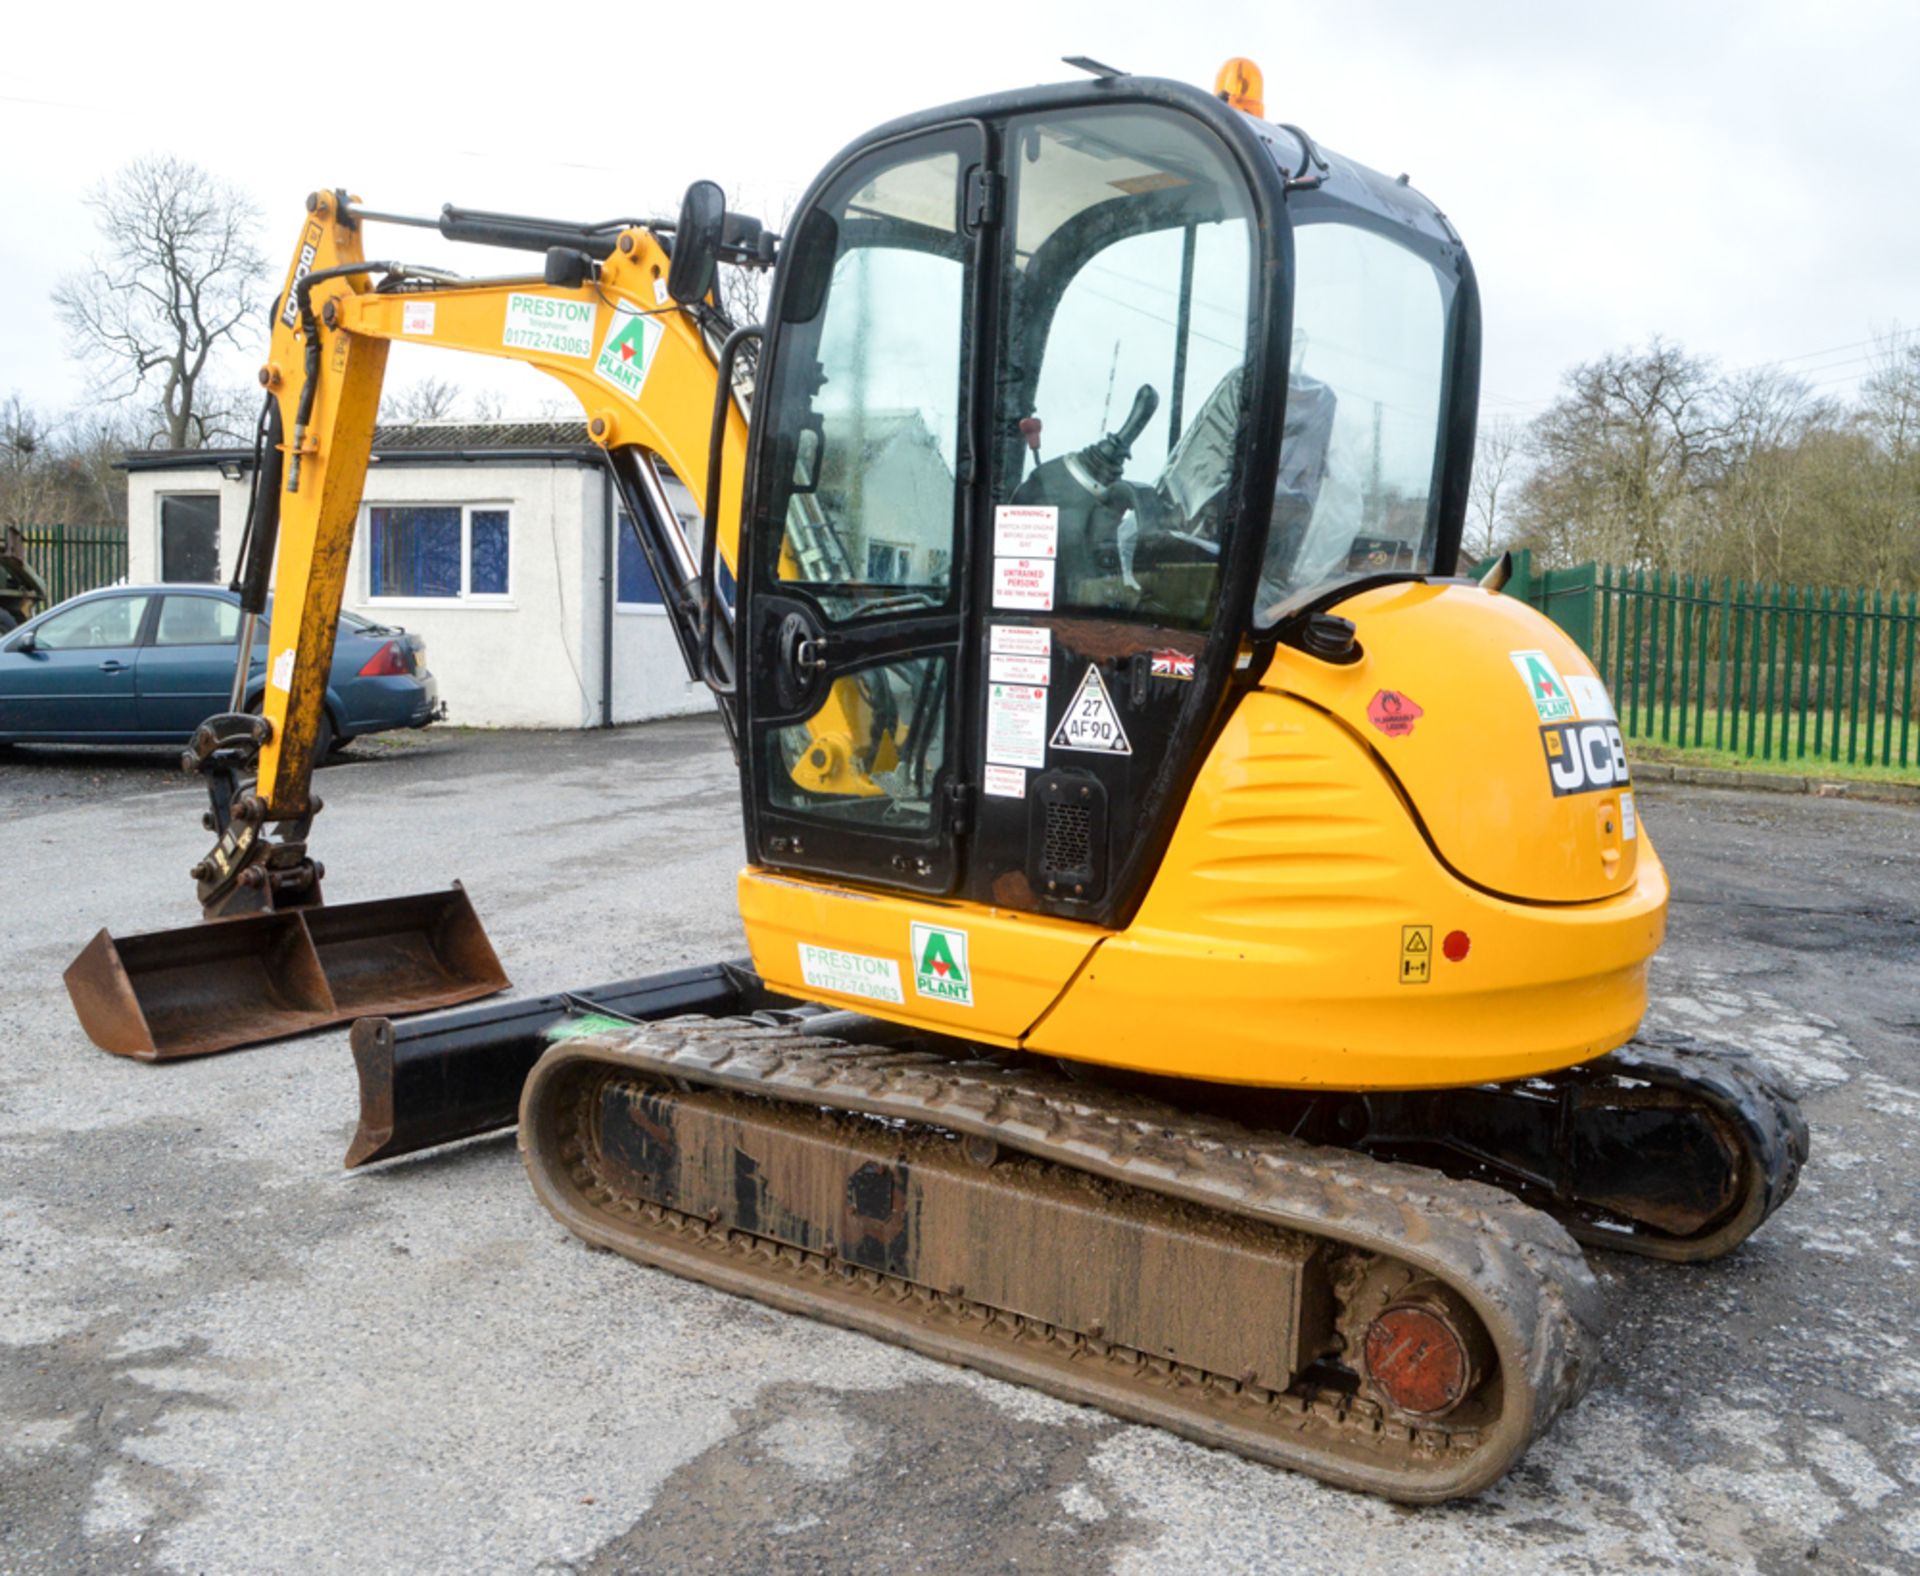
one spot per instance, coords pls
(1092, 722)
(628, 351)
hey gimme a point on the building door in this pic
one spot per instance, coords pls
(190, 538)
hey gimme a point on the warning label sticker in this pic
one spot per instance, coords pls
(550, 323)
(940, 968)
(628, 352)
(1005, 667)
(1092, 722)
(1416, 954)
(1023, 582)
(283, 670)
(1544, 685)
(1004, 782)
(850, 973)
(1628, 830)
(1022, 640)
(1026, 530)
(1017, 724)
(1393, 714)
(416, 317)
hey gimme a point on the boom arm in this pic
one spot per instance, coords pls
(637, 362)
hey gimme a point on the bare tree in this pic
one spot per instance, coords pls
(1496, 458)
(429, 399)
(1626, 458)
(59, 471)
(180, 278)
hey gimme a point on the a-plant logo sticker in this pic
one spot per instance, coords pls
(632, 338)
(940, 968)
(1544, 684)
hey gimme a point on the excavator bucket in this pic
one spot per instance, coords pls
(240, 981)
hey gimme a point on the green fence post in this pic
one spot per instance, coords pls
(1705, 593)
(1858, 599)
(1773, 632)
(1886, 713)
(1686, 655)
(1906, 682)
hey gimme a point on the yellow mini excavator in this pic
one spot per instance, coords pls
(1197, 938)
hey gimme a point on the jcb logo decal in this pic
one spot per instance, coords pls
(1584, 757)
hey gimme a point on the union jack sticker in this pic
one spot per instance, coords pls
(1172, 665)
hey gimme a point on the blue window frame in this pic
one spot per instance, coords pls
(447, 552)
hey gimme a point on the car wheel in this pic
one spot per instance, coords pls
(323, 745)
(342, 742)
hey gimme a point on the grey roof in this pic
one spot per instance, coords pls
(479, 435)
(422, 442)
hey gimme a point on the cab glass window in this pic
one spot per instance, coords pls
(1359, 456)
(869, 384)
(1128, 281)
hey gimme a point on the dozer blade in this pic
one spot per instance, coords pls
(437, 1080)
(241, 981)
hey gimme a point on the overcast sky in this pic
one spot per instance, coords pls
(1739, 177)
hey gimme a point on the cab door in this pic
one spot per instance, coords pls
(1140, 296)
(865, 471)
(1000, 550)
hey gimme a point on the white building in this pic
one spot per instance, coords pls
(492, 541)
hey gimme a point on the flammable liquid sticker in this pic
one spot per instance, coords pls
(851, 973)
(940, 967)
(1393, 714)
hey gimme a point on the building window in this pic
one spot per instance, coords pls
(449, 552)
(190, 538)
(634, 585)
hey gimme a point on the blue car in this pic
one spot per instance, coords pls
(149, 664)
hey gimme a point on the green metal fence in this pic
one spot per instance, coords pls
(1765, 671)
(1768, 672)
(76, 558)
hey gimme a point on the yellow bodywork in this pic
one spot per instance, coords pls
(1313, 850)
(1297, 930)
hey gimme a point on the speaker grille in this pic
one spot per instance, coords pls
(1067, 845)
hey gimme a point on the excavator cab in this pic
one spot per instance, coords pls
(1154, 378)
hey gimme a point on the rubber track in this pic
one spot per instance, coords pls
(1752, 1098)
(1522, 1272)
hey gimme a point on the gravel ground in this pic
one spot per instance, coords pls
(218, 1352)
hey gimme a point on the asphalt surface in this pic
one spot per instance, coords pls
(219, 1352)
